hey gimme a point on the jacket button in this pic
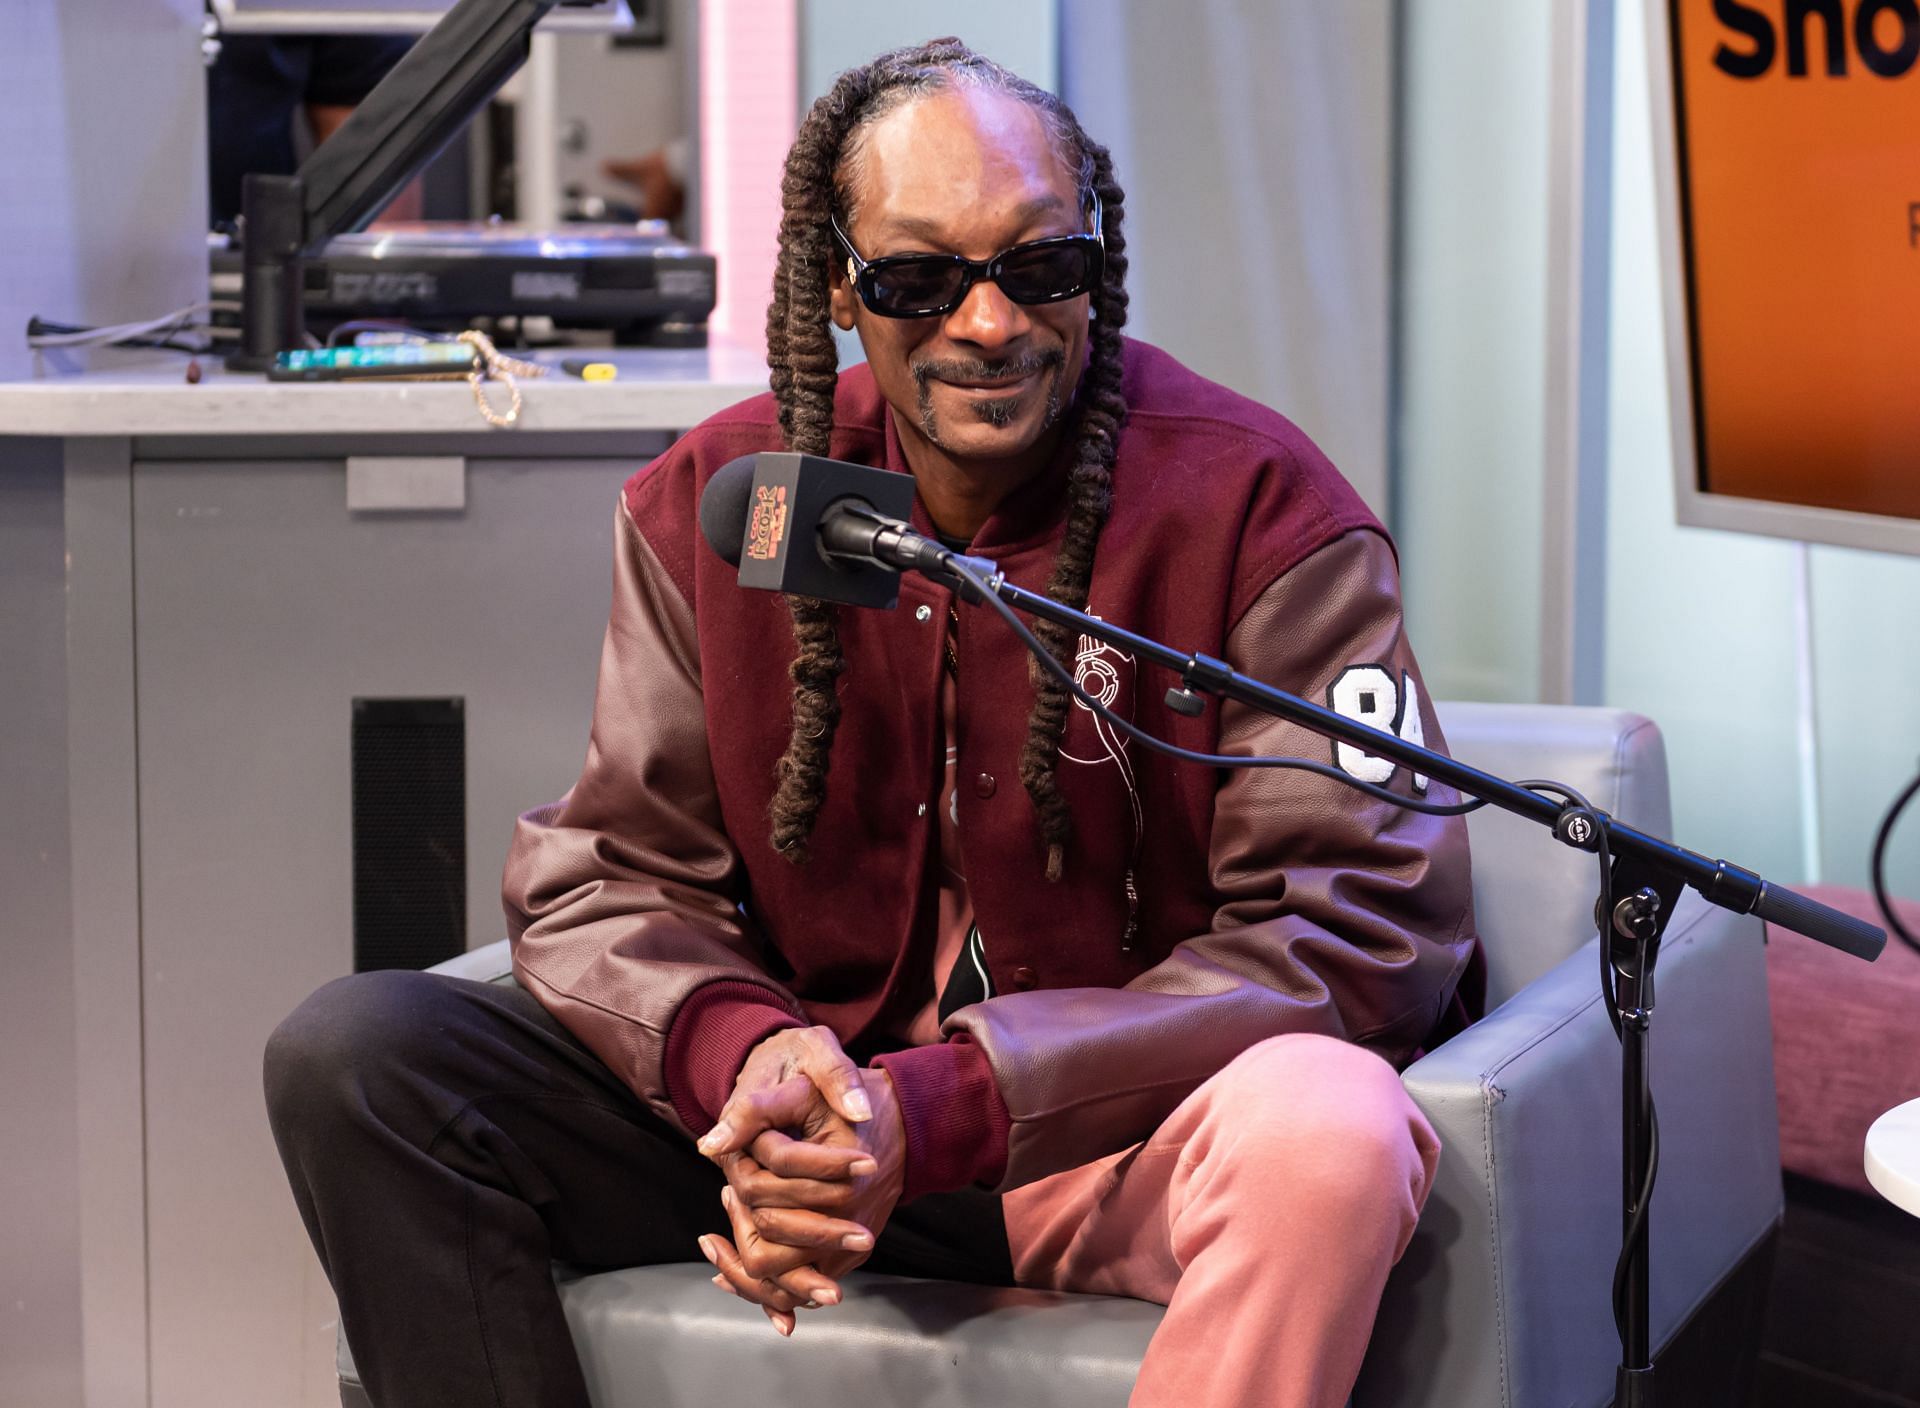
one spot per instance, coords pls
(1025, 979)
(984, 785)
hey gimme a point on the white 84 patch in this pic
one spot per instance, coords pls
(1368, 694)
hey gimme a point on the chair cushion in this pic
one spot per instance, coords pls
(652, 1336)
(1843, 1040)
(1532, 897)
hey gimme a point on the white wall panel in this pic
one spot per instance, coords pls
(1254, 140)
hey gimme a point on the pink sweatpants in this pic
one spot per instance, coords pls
(1264, 1214)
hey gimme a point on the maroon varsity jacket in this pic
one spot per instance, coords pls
(649, 912)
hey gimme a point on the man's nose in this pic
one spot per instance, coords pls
(987, 318)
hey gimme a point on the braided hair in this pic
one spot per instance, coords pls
(803, 364)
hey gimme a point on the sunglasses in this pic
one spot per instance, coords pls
(927, 285)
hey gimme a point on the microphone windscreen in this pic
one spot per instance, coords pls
(723, 507)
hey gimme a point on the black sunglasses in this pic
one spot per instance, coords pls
(925, 285)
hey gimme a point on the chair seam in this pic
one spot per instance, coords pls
(1672, 940)
(1619, 764)
(1493, 1230)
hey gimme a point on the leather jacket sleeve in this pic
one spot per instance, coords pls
(1338, 914)
(621, 897)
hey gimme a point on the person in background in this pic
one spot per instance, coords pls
(266, 94)
(660, 176)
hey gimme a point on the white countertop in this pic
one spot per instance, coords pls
(657, 389)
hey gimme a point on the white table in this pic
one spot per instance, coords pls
(1893, 1156)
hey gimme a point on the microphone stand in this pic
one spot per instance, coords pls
(1647, 874)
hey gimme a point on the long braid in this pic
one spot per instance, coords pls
(1103, 412)
(802, 362)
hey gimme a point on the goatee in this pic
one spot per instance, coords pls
(998, 411)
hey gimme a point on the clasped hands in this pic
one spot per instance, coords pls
(815, 1156)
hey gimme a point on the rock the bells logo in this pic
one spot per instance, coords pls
(1107, 673)
(767, 528)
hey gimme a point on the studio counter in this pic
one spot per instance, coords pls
(655, 390)
(204, 588)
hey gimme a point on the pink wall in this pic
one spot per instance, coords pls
(749, 106)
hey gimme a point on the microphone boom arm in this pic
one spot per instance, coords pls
(1720, 882)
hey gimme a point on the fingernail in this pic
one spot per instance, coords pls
(827, 1297)
(863, 1168)
(726, 1198)
(856, 1241)
(785, 1327)
(707, 1251)
(858, 1106)
(715, 1138)
(721, 1282)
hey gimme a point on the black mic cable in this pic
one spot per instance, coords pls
(1877, 866)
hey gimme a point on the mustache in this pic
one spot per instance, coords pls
(974, 369)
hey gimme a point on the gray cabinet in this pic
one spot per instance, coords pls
(262, 608)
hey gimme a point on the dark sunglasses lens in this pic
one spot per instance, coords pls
(1045, 273)
(913, 285)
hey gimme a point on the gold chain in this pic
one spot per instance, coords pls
(495, 365)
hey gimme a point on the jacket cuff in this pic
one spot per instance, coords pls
(708, 1042)
(956, 1123)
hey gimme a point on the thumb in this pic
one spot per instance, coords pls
(838, 1079)
(750, 1113)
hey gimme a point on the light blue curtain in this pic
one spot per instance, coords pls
(1254, 140)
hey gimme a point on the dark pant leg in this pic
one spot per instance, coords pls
(446, 1140)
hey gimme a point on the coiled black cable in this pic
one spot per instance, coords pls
(1877, 866)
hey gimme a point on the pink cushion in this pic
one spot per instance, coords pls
(1846, 1039)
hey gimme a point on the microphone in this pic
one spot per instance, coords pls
(809, 526)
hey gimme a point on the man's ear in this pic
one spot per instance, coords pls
(840, 298)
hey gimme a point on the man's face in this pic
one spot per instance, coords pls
(967, 171)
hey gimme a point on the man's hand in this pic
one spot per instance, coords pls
(804, 1209)
(755, 1106)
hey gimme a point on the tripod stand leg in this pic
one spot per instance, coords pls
(1633, 1385)
(1634, 928)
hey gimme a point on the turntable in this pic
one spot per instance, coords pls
(636, 281)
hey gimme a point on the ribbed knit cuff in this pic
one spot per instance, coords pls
(709, 1040)
(956, 1123)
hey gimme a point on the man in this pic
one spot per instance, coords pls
(1127, 1027)
(260, 88)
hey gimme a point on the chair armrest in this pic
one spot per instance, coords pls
(492, 963)
(1504, 1297)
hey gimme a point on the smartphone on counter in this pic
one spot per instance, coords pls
(386, 360)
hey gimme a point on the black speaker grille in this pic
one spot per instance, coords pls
(409, 832)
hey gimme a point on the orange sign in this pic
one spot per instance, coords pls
(1799, 132)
